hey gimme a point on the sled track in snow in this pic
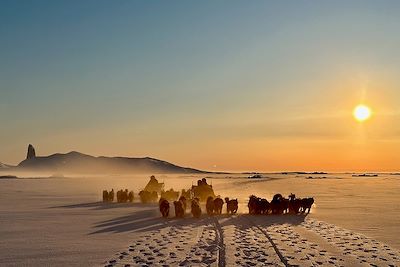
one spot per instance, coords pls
(280, 255)
(221, 245)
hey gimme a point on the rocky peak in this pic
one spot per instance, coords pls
(31, 152)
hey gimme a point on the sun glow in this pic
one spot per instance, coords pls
(362, 113)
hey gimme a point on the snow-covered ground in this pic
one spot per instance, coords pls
(59, 222)
(243, 240)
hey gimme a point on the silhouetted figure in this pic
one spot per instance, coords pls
(218, 203)
(210, 206)
(195, 208)
(231, 205)
(154, 185)
(179, 211)
(203, 190)
(164, 207)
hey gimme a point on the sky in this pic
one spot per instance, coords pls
(213, 85)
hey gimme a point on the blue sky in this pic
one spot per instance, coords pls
(197, 83)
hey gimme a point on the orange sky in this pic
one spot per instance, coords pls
(259, 87)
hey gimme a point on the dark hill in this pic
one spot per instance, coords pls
(75, 162)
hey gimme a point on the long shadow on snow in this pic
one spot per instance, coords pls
(99, 205)
(262, 221)
(150, 220)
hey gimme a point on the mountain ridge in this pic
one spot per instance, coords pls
(75, 162)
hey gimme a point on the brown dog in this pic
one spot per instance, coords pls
(218, 203)
(231, 205)
(179, 211)
(164, 207)
(196, 210)
(210, 206)
(184, 202)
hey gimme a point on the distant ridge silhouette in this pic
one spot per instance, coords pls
(76, 162)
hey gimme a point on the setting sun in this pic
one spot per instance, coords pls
(199, 133)
(362, 113)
